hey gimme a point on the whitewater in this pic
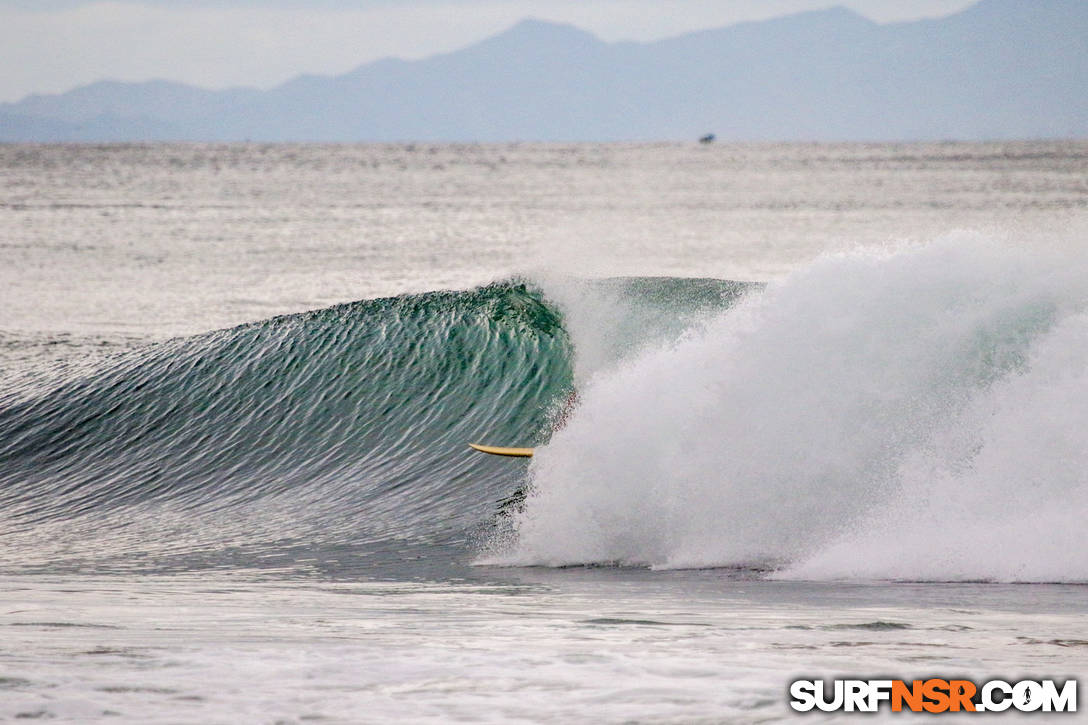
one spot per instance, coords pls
(798, 410)
(911, 414)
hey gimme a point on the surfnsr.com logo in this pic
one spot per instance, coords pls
(933, 695)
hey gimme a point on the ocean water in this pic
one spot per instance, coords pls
(799, 410)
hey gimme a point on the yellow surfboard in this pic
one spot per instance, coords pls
(500, 451)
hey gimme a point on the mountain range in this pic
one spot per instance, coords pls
(1001, 69)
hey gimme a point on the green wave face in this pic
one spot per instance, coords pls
(343, 430)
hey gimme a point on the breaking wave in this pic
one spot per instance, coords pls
(912, 414)
(918, 413)
(338, 434)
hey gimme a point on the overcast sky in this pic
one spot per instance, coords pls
(49, 46)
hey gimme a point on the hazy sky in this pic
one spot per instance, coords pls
(48, 46)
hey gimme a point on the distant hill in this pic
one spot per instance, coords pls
(1000, 69)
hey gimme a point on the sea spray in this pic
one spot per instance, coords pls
(1000, 495)
(793, 421)
(611, 320)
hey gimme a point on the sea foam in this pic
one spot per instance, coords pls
(913, 413)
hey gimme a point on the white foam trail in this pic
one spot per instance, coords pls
(803, 427)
